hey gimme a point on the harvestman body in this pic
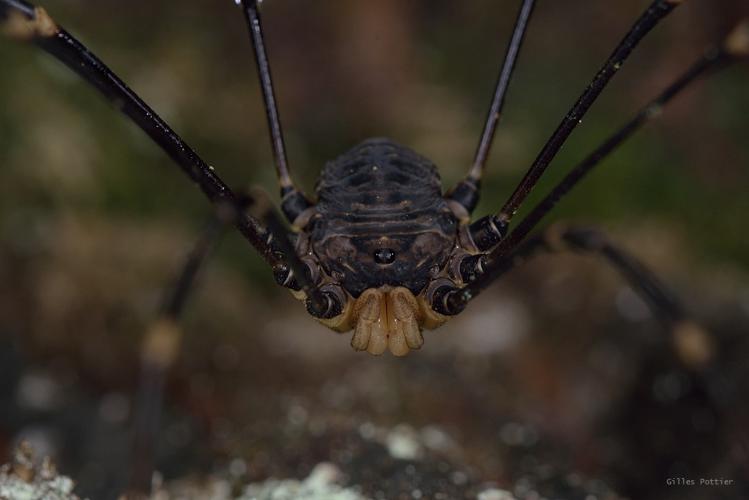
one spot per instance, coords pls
(381, 232)
(382, 250)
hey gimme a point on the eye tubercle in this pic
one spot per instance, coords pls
(384, 256)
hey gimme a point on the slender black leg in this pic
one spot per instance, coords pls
(293, 200)
(467, 191)
(23, 21)
(693, 345)
(654, 13)
(734, 48)
(159, 350)
(162, 341)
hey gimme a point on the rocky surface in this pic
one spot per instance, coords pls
(556, 384)
(25, 479)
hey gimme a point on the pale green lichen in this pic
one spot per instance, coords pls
(321, 484)
(25, 480)
(495, 494)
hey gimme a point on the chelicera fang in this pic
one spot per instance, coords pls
(381, 249)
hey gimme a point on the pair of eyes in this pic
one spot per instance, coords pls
(343, 249)
(384, 256)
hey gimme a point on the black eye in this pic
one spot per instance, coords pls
(384, 256)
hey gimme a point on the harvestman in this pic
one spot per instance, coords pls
(380, 249)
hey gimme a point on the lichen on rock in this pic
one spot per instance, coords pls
(24, 479)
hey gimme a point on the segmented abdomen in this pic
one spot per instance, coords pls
(381, 219)
(382, 186)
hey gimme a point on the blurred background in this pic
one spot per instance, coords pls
(556, 381)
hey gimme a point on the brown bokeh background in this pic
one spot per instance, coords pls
(94, 220)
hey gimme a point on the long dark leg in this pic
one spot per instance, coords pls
(692, 344)
(654, 13)
(23, 21)
(159, 350)
(161, 344)
(694, 348)
(734, 48)
(467, 191)
(293, 200)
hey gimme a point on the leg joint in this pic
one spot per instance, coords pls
(466, 193)
(487, 232)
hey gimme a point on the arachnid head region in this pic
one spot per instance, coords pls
(381, 235)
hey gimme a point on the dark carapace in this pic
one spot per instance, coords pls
(382, 236)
